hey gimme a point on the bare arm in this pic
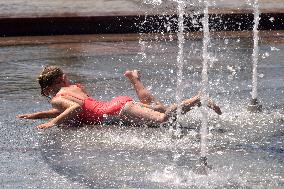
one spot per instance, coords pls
(41, 115)
(69, 110)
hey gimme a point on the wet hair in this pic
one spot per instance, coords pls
(47, 76)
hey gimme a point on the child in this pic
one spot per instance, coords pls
(71, 103)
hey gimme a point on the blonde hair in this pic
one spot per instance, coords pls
(48, 75)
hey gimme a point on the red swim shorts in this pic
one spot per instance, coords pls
(116, 105)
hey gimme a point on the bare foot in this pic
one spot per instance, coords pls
(171, 112)
(214, 107)
(134, 74)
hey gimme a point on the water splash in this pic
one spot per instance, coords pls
(153, 2)
(142, 45)
(177, 177)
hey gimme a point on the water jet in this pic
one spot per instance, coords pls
(254, 105)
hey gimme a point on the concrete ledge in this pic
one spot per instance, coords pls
(266, 37)
(72, 25)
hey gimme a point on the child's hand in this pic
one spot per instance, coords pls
(45, 125)
(25, 116)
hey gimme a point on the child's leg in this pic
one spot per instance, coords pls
(185, 106)
(188, 104)
(213, 106)
(144, 95)
(140, 115)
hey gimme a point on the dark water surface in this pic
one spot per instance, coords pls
(245, 150)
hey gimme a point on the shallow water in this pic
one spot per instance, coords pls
(245, 150)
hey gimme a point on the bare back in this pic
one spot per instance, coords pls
(73, 93)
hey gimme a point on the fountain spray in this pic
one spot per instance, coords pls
(255, 106)
(180, 63)
(204, 90)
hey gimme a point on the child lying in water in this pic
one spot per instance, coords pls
(71, 103)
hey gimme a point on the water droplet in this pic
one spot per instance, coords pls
(230, 77)
(274, 49)
(271, 19)
(261, 75)
(226, 41)
(265, 55)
